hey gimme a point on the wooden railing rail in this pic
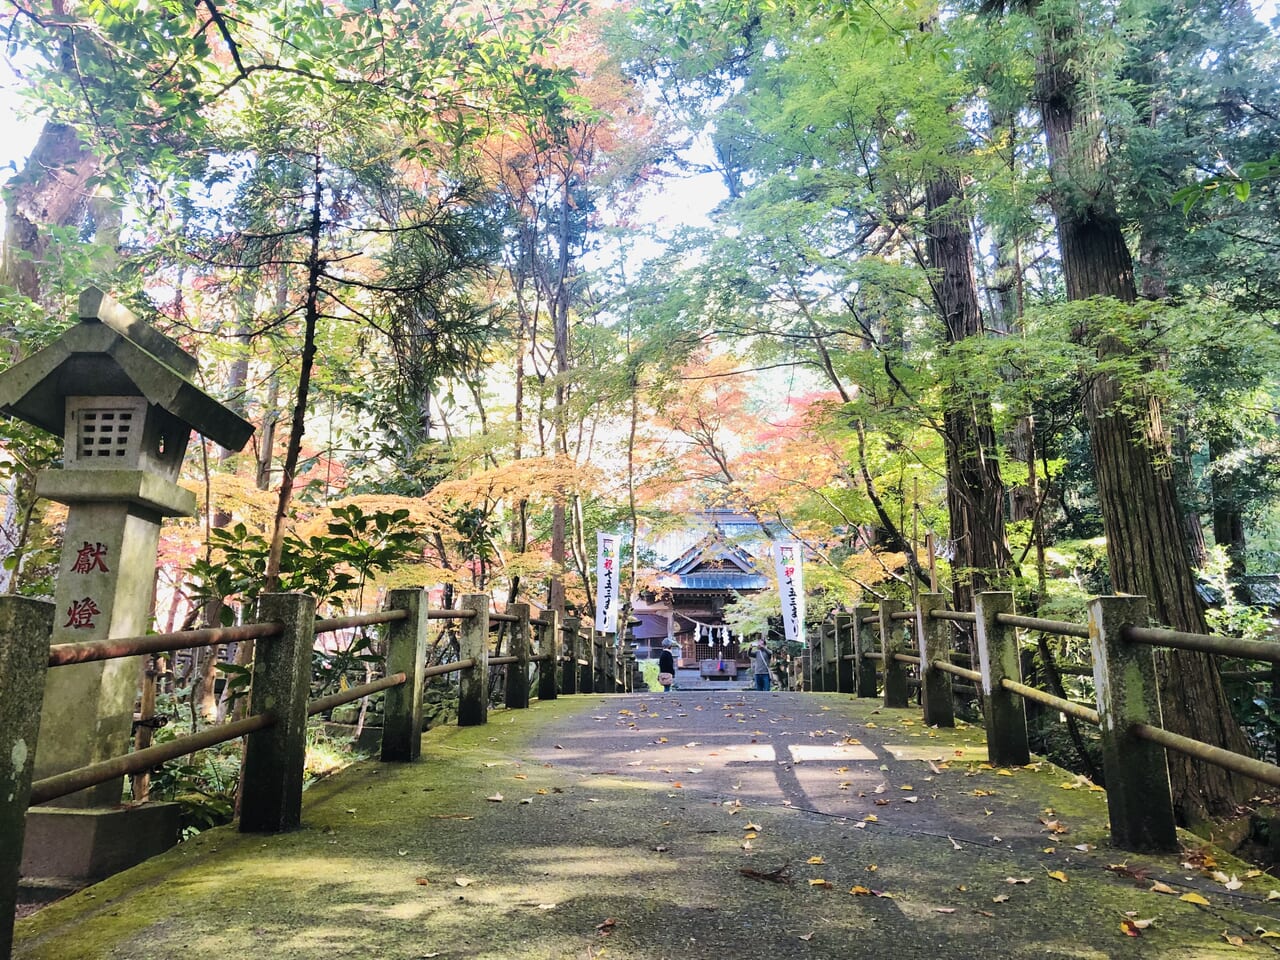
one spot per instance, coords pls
(1127, 712)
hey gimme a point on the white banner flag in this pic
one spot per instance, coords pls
(787, 557)
(607, 582)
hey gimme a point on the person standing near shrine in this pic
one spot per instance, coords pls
(760, 666)
(666, 667)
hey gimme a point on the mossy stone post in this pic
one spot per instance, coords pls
(935, 641)
(998, 658)
(629, 670)
(822, 653)
(271, 776)
(572, 652)
(1139, 801)
(864, 642)
(518, 672)
(844, 652)
(895, 673)
(407, 654)
(609, 662)
(25, 626)
(549, 646)
(587, 677)
(473, 644)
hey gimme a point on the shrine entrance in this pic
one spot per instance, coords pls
(689, 601)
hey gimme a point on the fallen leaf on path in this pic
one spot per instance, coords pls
(1057, 875)
(451, 816)
(1194, 898)
(496, 798)
(751, 826)
(860, 891)
(1232, 939)
(1017, 880)
(944, 909)
(954, 844)
(1273, 895)
(421, 881)
(1000, 898)
(526, 799)
(871, 818)
(1004, 773)
(1129, 928)
(817, 882)
(606, 928)
(815, 860)
(547, 906)
(463, 881)
(1159, 887)
(910, 799)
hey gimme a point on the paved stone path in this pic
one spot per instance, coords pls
(684, 825)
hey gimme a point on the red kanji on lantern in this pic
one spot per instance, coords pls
(90, 557)
(81, 613)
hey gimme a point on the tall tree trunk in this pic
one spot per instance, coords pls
(975, 492)
(1146, 540)
(298, 427)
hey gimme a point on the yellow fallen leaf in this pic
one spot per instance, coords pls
(1233, 939)
(1273, 895)
(1000, 898)
(1159, 887)
(873, 867)
(860, 891)
(871, 818)
(1194, 898)
(1266, 934)
(1058, 875)
(1004, 773)
(819, 883)
(906, 786)
(870, 726)
(520, 776)
(815, 860)
(750, 836)
(751, 826)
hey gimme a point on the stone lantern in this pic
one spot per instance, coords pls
(120, 395)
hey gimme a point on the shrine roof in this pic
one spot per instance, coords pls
(718, 580)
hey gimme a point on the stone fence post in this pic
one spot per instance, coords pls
(25, 629)
(1139, 800)
(473, 644)
(271, 775)
(844, 652)
(407, 654)
(587, 645)
(864, 642)
(935, 639)
(572, 651)
(1004, 711)
(518, 673)
(895, 673)
(549, 645)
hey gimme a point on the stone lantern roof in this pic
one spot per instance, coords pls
(111, 353)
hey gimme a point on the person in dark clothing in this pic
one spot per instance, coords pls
(666, 667)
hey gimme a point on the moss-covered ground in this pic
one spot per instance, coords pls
(625, 826)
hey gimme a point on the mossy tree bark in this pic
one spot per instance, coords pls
(1146, 541)
(975, 492)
